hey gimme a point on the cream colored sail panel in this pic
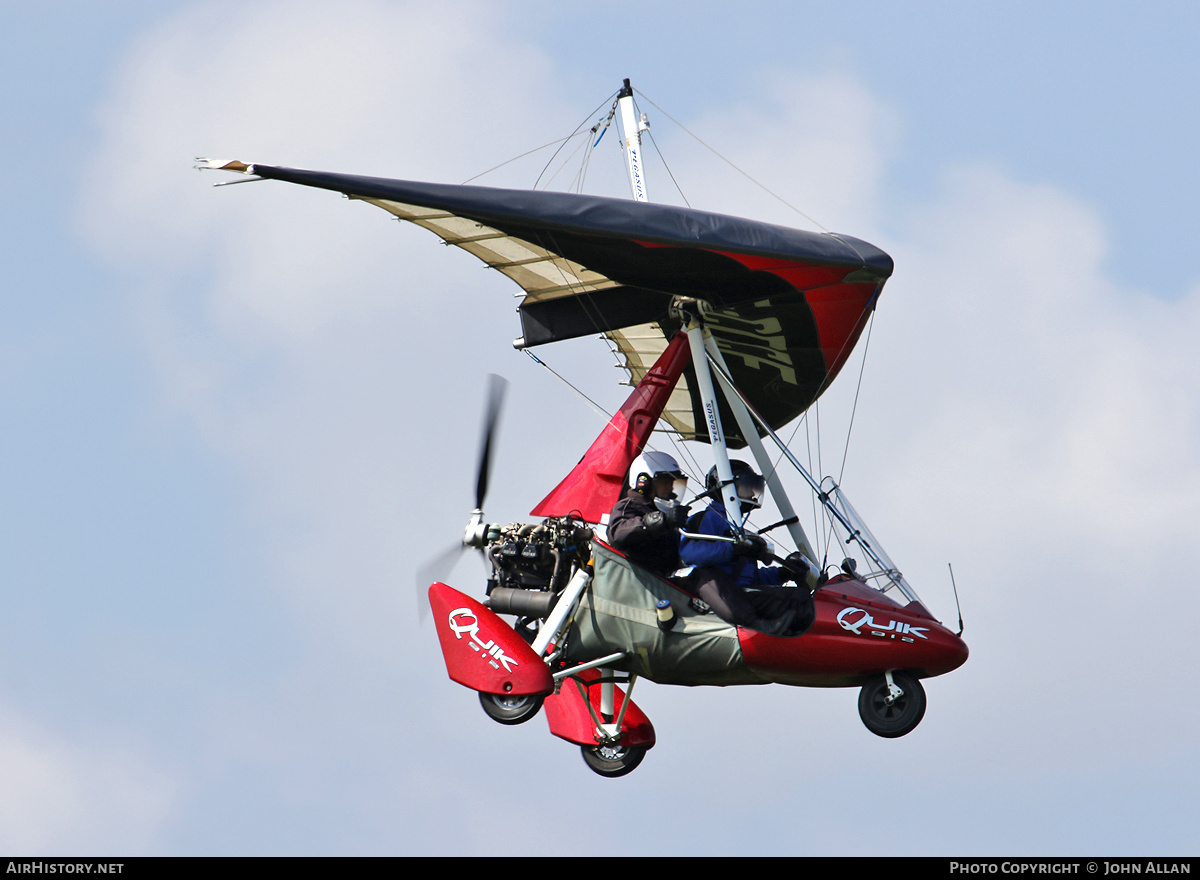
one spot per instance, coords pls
(639, 347)
(540, 273)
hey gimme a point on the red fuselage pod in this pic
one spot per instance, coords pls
(569, 718)
(859, 633)
(482, 651)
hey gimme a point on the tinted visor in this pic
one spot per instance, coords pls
(750, 488)
(670, 485)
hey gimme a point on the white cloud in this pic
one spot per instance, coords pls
(1038, 394)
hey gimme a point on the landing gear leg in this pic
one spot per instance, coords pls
(892, 705)
(608, 757)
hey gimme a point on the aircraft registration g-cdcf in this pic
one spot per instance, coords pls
(695, 303)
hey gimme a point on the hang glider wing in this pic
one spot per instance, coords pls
(786, 306)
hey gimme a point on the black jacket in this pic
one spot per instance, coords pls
(656, 551)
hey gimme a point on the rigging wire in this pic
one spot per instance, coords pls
(581, 146)
(823, 541)
(676, 441)
(670, 174)
(744, 174)
(686, 454)
(637, 111)
(577, 128)
(588, 302)
(541, 363)
(602, 126)
(854, 409)
(560, 141)
(581, 174)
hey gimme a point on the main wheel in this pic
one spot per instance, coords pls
(510, 709)
(613, 761)
(897, 717)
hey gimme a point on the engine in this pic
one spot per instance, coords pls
(531, 563)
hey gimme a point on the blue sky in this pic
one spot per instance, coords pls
(238, 419)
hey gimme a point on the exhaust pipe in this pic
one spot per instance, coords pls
(523, 603)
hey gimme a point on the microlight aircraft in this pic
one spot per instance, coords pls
(695, 303)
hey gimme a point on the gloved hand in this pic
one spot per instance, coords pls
(753, 546)
(654, 522)
(674, 513)
(801, 571)
(797, 566)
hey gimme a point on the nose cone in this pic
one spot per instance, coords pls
(856, 635)
(946, 654)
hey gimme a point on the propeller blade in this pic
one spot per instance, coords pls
(436, 569)
(439, 567)
(496, 388)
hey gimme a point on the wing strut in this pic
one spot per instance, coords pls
(765, 465)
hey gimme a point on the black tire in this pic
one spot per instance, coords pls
(613, 761)
(898, 718)
(510, 709)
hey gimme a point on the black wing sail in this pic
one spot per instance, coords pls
(786, 306)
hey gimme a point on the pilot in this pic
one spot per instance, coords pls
(645, 523)
(729, 578)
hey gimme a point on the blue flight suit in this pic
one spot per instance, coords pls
(737, 589)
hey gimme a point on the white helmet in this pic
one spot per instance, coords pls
(649, 466)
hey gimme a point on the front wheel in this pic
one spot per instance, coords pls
(613, 761)
(889, 717)
(508, 709)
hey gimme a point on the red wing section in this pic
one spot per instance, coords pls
(593, 486)
(839, 306)
(481, 651)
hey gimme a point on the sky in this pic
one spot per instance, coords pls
(237, 420)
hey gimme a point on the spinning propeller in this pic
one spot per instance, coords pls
(475, 535)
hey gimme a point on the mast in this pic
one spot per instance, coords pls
(632, 128)
(702, 346)
(697, 333)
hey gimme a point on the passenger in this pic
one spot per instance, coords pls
(645, 523)
(728, 577)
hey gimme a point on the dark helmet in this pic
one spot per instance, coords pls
(750, 486)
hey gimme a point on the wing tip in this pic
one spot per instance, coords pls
(205, 164)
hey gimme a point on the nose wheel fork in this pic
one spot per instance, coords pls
(892, 705)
